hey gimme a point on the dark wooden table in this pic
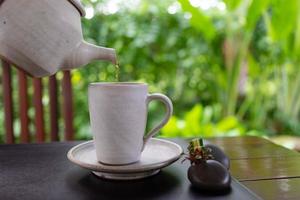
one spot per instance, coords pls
(269, 170)
(42, 171)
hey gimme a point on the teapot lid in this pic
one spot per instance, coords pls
(79, 6)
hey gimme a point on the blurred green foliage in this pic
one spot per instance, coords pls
(230, 67)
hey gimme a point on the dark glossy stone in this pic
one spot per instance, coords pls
(219, 155)
(209, 175)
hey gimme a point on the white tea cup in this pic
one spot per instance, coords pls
(118, 115)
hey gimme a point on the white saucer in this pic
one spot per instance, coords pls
(158, 153)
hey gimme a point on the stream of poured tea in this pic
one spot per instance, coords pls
(117, 72)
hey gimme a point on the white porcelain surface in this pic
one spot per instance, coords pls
(118, 115)
(44, 36)
(79, 6)
(158, 153)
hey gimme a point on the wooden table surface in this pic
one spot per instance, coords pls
(270, 170)
(42, 171)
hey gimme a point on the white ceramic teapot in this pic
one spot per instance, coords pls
(44, 36)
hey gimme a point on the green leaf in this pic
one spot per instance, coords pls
(283, 18)
(199, 20)
(281, 24)
(171, 129)
(297, 34)
(232, 4)
(208, 130)
(193, 121)
(269, 27)
(228, 123)
(255, 10)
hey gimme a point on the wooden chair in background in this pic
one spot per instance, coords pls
(40, 134)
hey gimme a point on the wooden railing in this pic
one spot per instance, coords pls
(23, 103)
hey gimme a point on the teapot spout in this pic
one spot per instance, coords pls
(85, 52)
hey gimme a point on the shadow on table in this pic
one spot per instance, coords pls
(86, 184)
(197, 193)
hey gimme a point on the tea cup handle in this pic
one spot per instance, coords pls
(169, 110)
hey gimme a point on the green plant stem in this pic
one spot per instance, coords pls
(234, 76)
(295, 97)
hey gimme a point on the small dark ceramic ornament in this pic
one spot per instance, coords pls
(209, 175)
(219, 155)
(205, 173)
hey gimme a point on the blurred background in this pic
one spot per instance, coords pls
(230, 66)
